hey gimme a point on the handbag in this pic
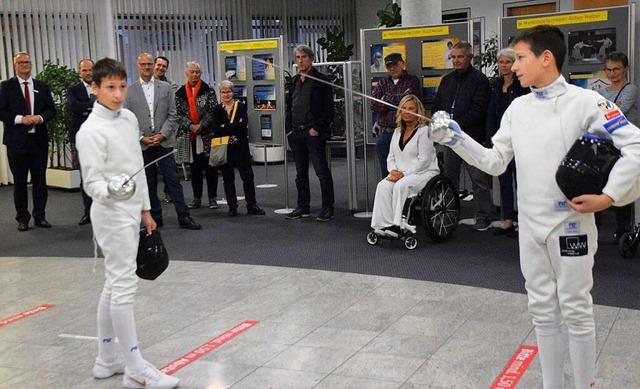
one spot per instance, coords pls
(218, 153)
(152, 259)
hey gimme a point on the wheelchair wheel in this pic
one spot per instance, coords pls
(372, 238)
(440, 209)
(410, 242)
(628, 245)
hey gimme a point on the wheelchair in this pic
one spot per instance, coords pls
(436, 209)
(628, 243)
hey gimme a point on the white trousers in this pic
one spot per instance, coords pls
(391, 196)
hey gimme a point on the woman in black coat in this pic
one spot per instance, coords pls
(230, 118)
(503, 91)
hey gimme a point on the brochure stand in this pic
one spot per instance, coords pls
(266, 170)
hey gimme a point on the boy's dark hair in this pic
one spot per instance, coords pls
(108, 67)
(545, 37)
(618, 56)
(162, 58)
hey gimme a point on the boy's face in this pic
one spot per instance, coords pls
(111, 92)
(531, 70)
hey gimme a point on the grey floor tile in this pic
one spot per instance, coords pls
(209, 374)
(335, 381)
(337, 338)
(245, 353)
(316, 359)
(404, 345)
(7, 373)
(282, 333)
(380, 366)
(442, 374)
(609, 367)
(266, 377)
(403, 288)
(36, 379)
(427, 326)
(358, 319)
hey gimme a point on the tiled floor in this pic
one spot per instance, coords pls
(316, 329)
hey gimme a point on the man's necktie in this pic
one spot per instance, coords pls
(27, 97)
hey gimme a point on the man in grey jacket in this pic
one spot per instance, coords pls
(153, 103)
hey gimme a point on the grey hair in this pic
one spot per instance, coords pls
(305, 50)
(468, 49)
(507, 52)
(195, 64)
(225, 84)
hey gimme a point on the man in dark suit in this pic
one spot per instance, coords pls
(154, 105)
(26, 106)
(80, 101)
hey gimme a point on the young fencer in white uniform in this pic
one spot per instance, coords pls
(108, 145)
(558, 236)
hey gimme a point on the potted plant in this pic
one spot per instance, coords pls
(337, 51)
(63, 164)
(389, 17)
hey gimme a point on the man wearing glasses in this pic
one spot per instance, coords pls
(391, 90)
(26, 106)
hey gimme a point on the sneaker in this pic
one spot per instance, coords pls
(196, 203)
(213, 204)
(255, 210)
(482, 224)
(101, 369)
(325, 215)
(393, 232)
(167, 198)
(297, 213)
(150, 377)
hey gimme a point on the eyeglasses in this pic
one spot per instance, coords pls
(612, 70)
(146, 65)
(24, 62)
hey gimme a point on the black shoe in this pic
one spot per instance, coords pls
(232, 212)
(393, 231)
(196, 203)
(297, 213)
(159, 221)
(189, 223)
(86, 219)
(255, 210)
(42, 223)
(23, 226)
(325, 215)
(504, 231)
(167, 198)
(213, 204)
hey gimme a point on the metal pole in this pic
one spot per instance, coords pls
(266, 171)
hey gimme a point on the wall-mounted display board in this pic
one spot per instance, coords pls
(426, 52)
(590, 36)
(257, 83)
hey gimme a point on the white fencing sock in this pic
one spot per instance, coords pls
(124, 325)
(107, 350)
(582, 349)
(551, 354)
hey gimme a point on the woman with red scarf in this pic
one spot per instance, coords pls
(194, 105)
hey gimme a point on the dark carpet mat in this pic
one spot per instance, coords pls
(471, 258)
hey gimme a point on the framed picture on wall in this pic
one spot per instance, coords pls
(591, 46)
(240, 93)
(596, 81)
(264, 97)
(235, 68)
(379, 52)
(430, 85)
(436, 54)
(262, 67)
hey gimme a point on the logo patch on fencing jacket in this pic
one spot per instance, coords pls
(573, 246)
(572, 227)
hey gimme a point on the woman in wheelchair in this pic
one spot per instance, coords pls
(412, 163)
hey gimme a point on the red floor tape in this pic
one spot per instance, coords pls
(515, 368)
(207, 347)
(25, 314)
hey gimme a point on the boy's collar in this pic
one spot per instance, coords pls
(556, 88)
(105, 112)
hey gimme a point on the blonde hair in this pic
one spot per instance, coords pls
(422, 118)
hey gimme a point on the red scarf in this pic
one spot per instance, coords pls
(192, 95)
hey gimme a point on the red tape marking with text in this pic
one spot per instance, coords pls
(207, 347)
(515, 368)
(25, 314)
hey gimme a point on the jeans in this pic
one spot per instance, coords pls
(383, 144)
(480, 182)
(171, 181)
(306, 147)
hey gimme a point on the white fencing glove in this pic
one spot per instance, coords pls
(443, 129)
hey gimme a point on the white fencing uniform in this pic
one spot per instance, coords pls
(108, 144)
(419, 164)
(557, 244)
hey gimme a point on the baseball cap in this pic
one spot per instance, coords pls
(393, 58)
